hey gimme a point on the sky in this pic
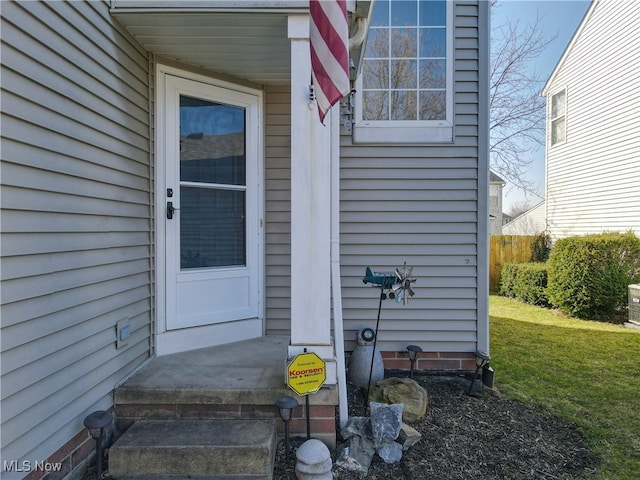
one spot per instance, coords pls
(558, 18)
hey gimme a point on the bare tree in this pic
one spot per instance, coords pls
(400, 85)
(517, 112)
(518, 208)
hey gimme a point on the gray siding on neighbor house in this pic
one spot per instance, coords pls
(76, 218)
(418, 204)
(592, 178)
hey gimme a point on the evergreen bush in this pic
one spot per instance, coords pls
(588, 276)
(508, 279)
(541, 248)
(525, 281)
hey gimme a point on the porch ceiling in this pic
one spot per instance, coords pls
(248, 45)
(247, 39)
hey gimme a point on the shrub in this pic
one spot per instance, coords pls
(588, 276)
(525, 281)
(540, 248)
(508, 279)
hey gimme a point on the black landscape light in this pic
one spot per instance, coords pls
(414, 352)
(96, 423)
(482, 361)
(285, 408)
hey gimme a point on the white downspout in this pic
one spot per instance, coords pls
(336, 286)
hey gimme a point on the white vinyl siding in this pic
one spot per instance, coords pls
(76, 218)
(420, 204)
(592, 179)
(531, 222)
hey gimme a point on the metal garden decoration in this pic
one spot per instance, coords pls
(394, 285)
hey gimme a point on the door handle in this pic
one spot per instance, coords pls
(170, 210)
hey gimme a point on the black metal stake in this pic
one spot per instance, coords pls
(473, 380)
(308, 418)
(286, 441)
(308, 414)
(375, 340)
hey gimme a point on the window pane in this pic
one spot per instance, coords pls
(212, 148)
(377, 43)
(375, 106)
(433, 105)
(403, 74)
(375, 74)
(433, 42)
(408, 60)
(433, 74)
(433, 12)
(404, 42)
(403, 106)
(404, 13)
(212, 230)
(558, 132)
(380, 16)
(558, 104)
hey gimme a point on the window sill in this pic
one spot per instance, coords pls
(402, 134)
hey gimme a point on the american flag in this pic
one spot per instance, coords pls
(329, 52)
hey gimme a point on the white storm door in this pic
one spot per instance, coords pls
(212, 204)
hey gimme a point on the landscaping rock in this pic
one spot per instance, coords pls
(408, 437)
(386, 421)
(390, 452)
(360, 426)
(313, 461)
(357, 454)
(402, 390)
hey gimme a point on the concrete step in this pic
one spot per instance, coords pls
(201, 449)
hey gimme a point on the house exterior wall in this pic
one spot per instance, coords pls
(278, 210)
(495, 208)
(531, 222)
(415, 203)
(592, 178)
(423, 204)
(76, 223)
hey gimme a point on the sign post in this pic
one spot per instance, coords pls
(306, 373)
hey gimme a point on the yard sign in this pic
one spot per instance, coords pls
(306, 373)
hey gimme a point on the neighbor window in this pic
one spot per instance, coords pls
(559, 117)
(406, 75)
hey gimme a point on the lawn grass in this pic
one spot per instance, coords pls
(585, 372)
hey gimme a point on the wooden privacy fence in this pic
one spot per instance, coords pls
(507, 249)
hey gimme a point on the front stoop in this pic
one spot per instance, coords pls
(188, 402)
(198, 449)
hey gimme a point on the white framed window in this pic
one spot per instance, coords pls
(559, 117)
(405, 91)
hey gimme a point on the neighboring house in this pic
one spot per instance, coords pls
(495, 204)
(593, 126)
(165, 175)
(531, 222)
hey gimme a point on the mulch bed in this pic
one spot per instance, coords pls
(484, 437)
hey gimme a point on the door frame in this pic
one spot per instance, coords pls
(173, 341)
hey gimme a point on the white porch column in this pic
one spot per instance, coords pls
(310, 209)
